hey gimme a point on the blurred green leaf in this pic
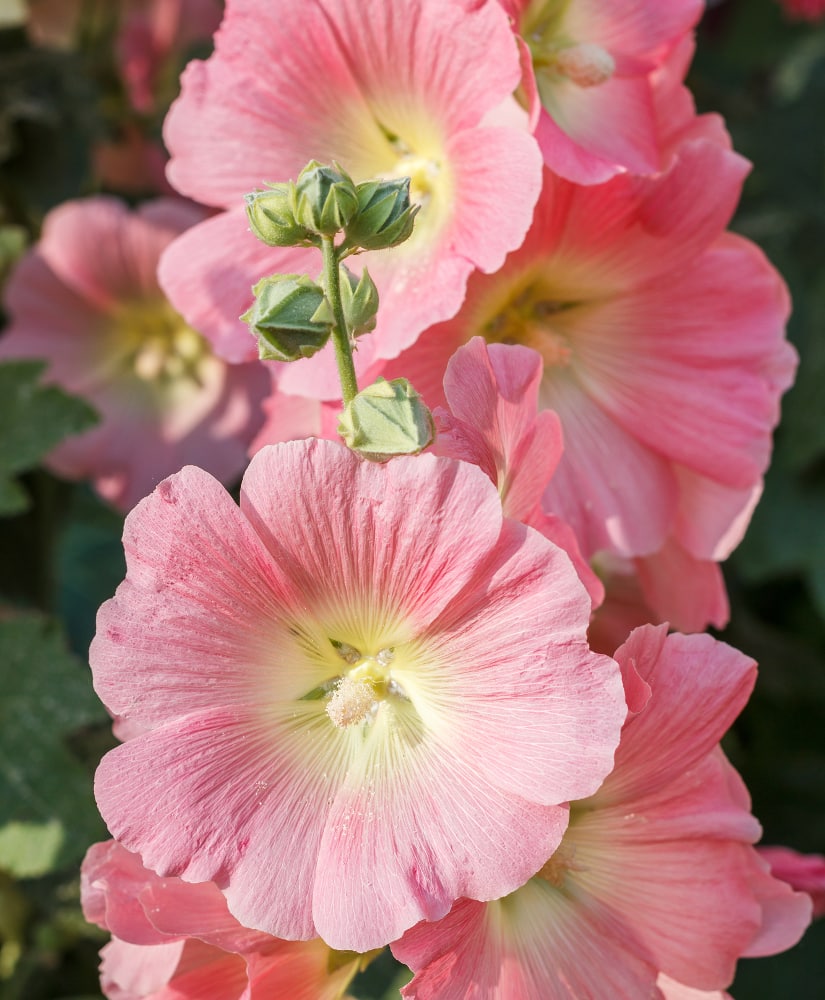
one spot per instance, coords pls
(30, 849)
(33, 419)
(47, 697)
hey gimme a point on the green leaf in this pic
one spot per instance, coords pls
(33, 419)
(46, 804)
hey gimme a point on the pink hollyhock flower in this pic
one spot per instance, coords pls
(171, 939)
(655, 874)
(663, 348)
(804, 872)
(400, 89)
(86, 299)
(804, 10)
(590, 78)
(363, 694)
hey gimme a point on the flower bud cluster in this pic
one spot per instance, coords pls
(325, 201)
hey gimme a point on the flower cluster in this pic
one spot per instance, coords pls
(419, 691)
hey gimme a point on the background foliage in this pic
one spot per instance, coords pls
(60, 545)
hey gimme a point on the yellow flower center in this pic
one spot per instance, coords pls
(534, 313)
(154, 343)
(400, 141)
(358, 693)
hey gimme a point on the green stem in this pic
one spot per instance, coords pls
(340, 334)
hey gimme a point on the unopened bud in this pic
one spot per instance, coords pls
(359, 297)
(288, 317)
(387, 419)
(326, 199)
(385, 216)
(271, 215)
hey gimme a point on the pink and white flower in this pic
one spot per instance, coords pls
(172, 939)
(86, 299)
(664, 354)
(591, 78)
(358, 697)
(655, 875)
(402, 89)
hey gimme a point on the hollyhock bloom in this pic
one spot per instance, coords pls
(172, 939)
(590, 78)
(663, 348)
(86, 299)
(804, 10)
(805, 872)
(362, 695)
(655, 874)
(409, 88)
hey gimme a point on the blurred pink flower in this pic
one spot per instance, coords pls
(803, 872)
(804, 10)
(407, 88)
(664, 357)
(655, 874)
(86, 299)
(357, 698)
(152, 36)
(590, 80)
(173, 939)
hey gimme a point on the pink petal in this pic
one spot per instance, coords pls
(786, 913)
(536, 943)
(685, 591)
(699, 686)
(804, 872)
(603, 510)
(580, 115)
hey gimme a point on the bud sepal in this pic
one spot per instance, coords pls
(271, 215)
(289, 317)
(325, 199)
(387, 419)
(385, 216)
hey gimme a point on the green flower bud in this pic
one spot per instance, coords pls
(326, 199)
(271, 215)
(359, 297)
(385, 216)
(387, 419)
(288, 317)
